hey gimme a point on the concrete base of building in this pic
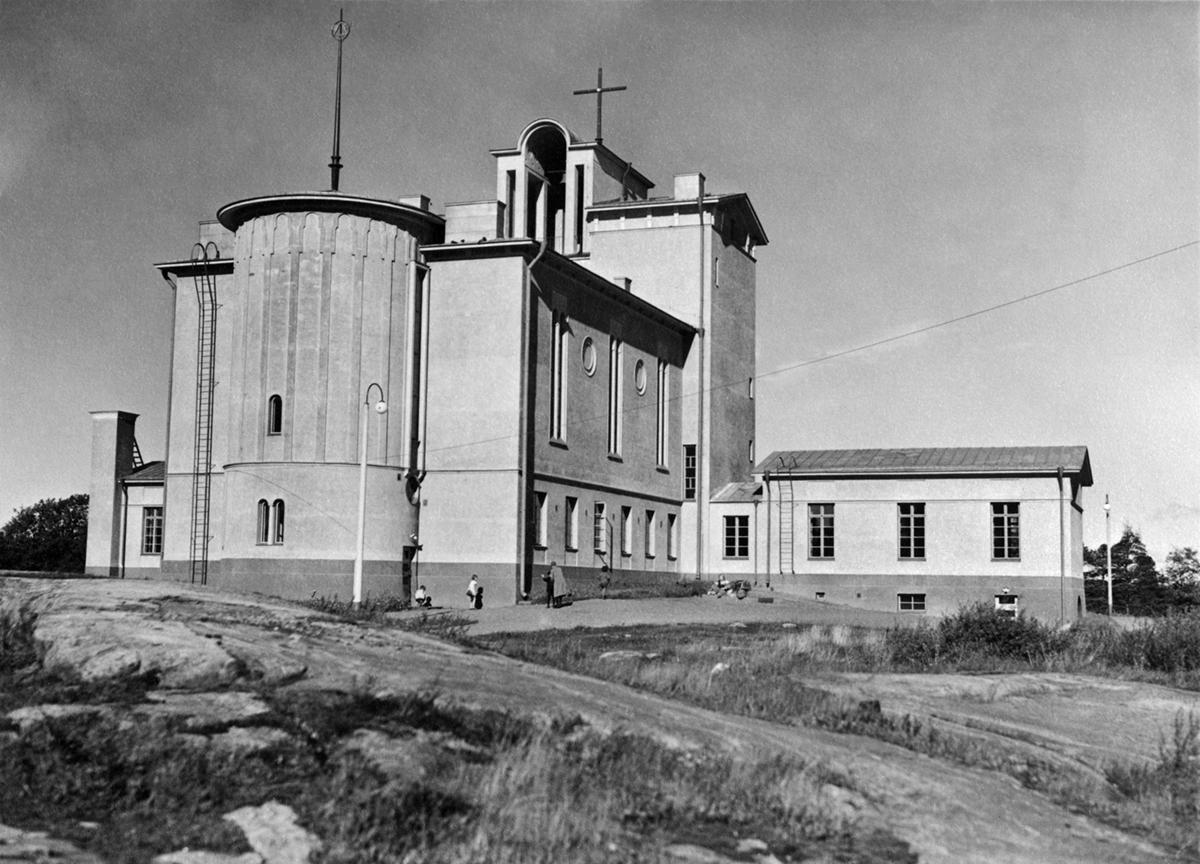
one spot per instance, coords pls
(1041, 597)
(296, 580)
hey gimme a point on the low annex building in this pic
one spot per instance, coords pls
(913, 530)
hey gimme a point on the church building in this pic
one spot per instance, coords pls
(527, 380)
(366, 395)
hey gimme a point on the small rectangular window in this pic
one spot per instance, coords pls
(152, 530)
(599, 529)
(543, 519)
(912, 531)
(672, 536)
(911, 602)
(820, 530)
(1006, 530)
(1008, 605)
(626, 531)
(737, 536)
(689, 472)
(651, 544)
(572, 520)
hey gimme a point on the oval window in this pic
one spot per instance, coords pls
(639, 377)
(589, 356)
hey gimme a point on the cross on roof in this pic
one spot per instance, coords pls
(599, 90)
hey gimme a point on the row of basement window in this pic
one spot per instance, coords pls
(602, 530)
(910, 517)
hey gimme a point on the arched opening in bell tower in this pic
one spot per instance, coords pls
(545, 154)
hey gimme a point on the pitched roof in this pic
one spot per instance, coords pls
(148, 474)
(931, 461)
(744, 491)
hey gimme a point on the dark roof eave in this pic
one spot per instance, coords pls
(529, 249)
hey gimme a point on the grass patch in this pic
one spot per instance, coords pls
(761, 671)
(529, 795)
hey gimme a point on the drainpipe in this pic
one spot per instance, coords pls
(1062, 552)
(701, 443)
(124, 523)
(767, 483)
(525, 486)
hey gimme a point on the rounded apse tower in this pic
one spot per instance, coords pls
(327, 300)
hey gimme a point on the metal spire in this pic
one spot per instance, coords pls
(340, 31)
(599, 90)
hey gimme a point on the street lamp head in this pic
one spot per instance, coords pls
(1107, 506)
(380, 407)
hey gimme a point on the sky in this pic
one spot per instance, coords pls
(911, 163)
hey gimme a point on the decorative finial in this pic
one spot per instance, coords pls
(599, 90)
(340, 31)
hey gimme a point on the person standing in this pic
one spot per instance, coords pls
(555, 584)
(561, 589)
(475, 592)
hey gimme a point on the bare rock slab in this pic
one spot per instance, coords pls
(272, 832)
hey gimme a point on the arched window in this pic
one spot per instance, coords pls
(275, 415)
(277, 520)
(264, 521)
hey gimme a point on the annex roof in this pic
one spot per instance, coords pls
(926, 461)
(148, 475)
(750, 490)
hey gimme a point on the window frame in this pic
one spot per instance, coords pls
(542, 511)
(821, 536)
(571, 523)
(599, 528)
(690, 474)
(672, 536)
(275, 415)
(915, 602)
(1006, 530)
(152, 530)
(915, 520)
(736, 537)
(651, 548)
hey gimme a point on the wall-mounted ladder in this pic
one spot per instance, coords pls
(203, 255)
(787, 519)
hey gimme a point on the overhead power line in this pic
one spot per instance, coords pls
(978, 312)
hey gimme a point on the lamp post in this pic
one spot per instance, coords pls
(1108, 552)
(380, 408)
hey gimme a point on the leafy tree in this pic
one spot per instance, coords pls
(1137, 588)
(50, 535)
(1182, 567)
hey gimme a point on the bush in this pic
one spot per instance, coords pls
(50, 535)
(979, 630)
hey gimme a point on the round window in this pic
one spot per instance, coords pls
(639, 377)
(589, 355)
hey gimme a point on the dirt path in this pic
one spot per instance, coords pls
(201, 640)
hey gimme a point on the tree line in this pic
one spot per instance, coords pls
(1139, 587)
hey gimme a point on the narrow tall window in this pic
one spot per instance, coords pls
(152, 528)
(1006, 530)
(737, 536)
(615, 353)
(651, 535)
(750, 450)
(689, 472)
(599, 529)
(572, 524)
(263, 532)
(543, 519)
(662, 447)
(558, 377)
(626, 531)
(510, 203)
(820, 530)
(672, 536)
(912, 531)
(579, 175)
(275, 415)
(277, 521)
(750, 387)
